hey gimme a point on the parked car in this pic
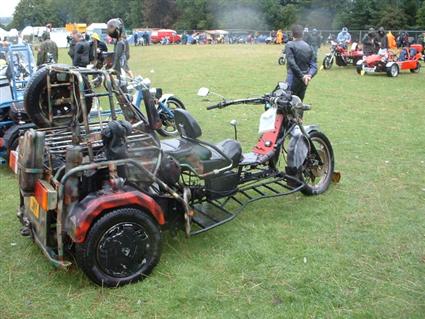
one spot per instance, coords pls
(159, 35)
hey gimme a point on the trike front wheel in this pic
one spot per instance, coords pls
(318, 176)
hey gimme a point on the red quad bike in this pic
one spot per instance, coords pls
(389, 63)
(342, 56)
(102, 192)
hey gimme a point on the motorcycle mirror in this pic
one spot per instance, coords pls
(158, 93)
(283, 85)
(203, 92)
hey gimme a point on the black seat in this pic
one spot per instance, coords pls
(232, 149)
(187, 148)
(186, 124)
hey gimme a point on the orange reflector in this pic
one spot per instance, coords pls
(13, 161)
(45, 194)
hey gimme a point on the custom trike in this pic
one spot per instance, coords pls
(388, 62)
(341, 55)
(102, 192)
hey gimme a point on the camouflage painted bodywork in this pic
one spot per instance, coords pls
(79, 220)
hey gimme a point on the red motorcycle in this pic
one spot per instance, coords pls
(390, 63)
(341, 55)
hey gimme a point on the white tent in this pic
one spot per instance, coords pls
(95, 27)
(59, 36)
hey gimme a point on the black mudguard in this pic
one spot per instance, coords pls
(14, 132)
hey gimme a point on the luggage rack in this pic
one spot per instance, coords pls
(57, 141)
(87, 133)
(213, 213)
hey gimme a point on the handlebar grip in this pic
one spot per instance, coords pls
(212, 107)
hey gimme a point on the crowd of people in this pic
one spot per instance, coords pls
(301, 49)
(84, 49)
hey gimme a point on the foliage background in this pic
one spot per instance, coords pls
(235, 14)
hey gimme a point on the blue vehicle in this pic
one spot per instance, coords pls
(17, 65)
(166, 104)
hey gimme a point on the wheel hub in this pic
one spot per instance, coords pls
(122, 249)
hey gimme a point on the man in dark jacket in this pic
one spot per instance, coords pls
(382, 38)
(315, 41)
(302, 66)
(47, 47)
(72, 41)
(370, 43)
(81, 56)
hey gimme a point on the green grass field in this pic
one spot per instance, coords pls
(358, 251)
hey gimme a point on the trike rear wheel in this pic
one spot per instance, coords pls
(122, 247)
(417, 69)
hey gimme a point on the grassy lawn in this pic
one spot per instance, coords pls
(357, 251)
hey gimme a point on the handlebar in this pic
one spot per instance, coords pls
(223, 104)
(282, 102)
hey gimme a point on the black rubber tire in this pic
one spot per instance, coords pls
(87, 253)
(282, 61)
(36, 90)
(340, 61)
(417, 69)
(391, 71)
(178, 105)
(13, 145)
(327, 64)
(308, 189)
(359, 69)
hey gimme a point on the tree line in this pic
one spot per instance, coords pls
(223, 14)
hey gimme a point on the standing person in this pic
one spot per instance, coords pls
(124, 60)
(136, 39)
(116, 31)
(307, 36)
(47, 47)
(381, 38)
(81, 57)
(392, 43)
(370, 43)
(98, 47)
(73, 39)
(279, 37)
(344, 37)
(315, 42)
(301, 63)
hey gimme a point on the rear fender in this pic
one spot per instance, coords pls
(390, 64)
(165, 97)
(79, 220)
(298, 146)
(360, 62)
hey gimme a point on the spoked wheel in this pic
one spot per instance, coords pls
(169, 127)
(316, 177)
(393, 70)
(327, 62)
(122, 247)
(282, 60)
